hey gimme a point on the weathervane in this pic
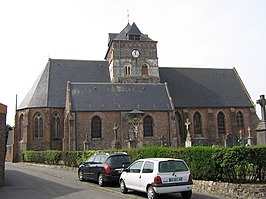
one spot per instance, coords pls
(128, 16)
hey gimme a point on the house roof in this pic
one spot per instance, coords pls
(49, 90)
(205, 87)
(119, 97)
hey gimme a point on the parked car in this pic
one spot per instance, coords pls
(157, 176)
(104, 167)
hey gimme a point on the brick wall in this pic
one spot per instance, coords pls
(26, 141)
(164, 125)
(3, 109)
(209, 122)
(83, 128)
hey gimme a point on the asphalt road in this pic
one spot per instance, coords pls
(26, 181)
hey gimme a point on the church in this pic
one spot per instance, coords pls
(128, 101)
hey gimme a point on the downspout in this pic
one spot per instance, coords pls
(70, 116)
(171, 112)
(169, 132)
(67, 118)
(76, 134)
(119, 78)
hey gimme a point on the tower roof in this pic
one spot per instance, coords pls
(128, 30)
(134, 30)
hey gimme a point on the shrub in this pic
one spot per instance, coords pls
(52, 157)
(237, 164)
(201, 162)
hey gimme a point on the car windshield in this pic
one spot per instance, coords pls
(119, 159)
(172, 166)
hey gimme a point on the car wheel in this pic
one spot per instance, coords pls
(80, 175)
(151, 193)
(100, 179)
(123, 187)
(186, 194)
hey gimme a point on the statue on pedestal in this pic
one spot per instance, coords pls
(188, 142)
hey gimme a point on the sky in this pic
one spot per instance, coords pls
(190, 33)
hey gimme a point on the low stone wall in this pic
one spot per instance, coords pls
(223, 189)
(231, 190)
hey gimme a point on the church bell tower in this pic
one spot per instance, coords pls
(132, 57)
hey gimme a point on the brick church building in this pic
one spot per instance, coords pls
(127, 100)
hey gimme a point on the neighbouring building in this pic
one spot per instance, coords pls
(3, 111)
(127, 100)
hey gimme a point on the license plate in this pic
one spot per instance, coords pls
(175, 179)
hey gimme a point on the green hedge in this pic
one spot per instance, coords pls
(237, 164)
(47, 157)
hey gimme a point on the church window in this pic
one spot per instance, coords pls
(55, 125)
(240, 120)
(221, 123)
(144, 69)
(127, 70)
(134, 37)
(21, 125)
(197, 123)
(147, 126)
(38, 126)
(96, 127)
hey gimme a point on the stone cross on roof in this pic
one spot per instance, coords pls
(262, 103)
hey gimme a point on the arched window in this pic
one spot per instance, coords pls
(221, 123)
(127, 70)
(96, 127)
(144, 69)
(55, 125)
(38, 126)
(21, 125)
(197, 123)
(147, 126)
(240, 120)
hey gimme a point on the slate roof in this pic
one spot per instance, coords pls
(205, 87)
(49, 90)
(129, 29)
(119, 97)
(189, 87)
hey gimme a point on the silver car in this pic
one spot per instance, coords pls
(157, 176)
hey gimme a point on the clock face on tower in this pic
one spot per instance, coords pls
(135, 53)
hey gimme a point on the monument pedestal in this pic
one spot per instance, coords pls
(131, 144)
(261, 133)
(115, 144)
(188, 142)
(231, 140)
(261, 128)
(200, 141)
